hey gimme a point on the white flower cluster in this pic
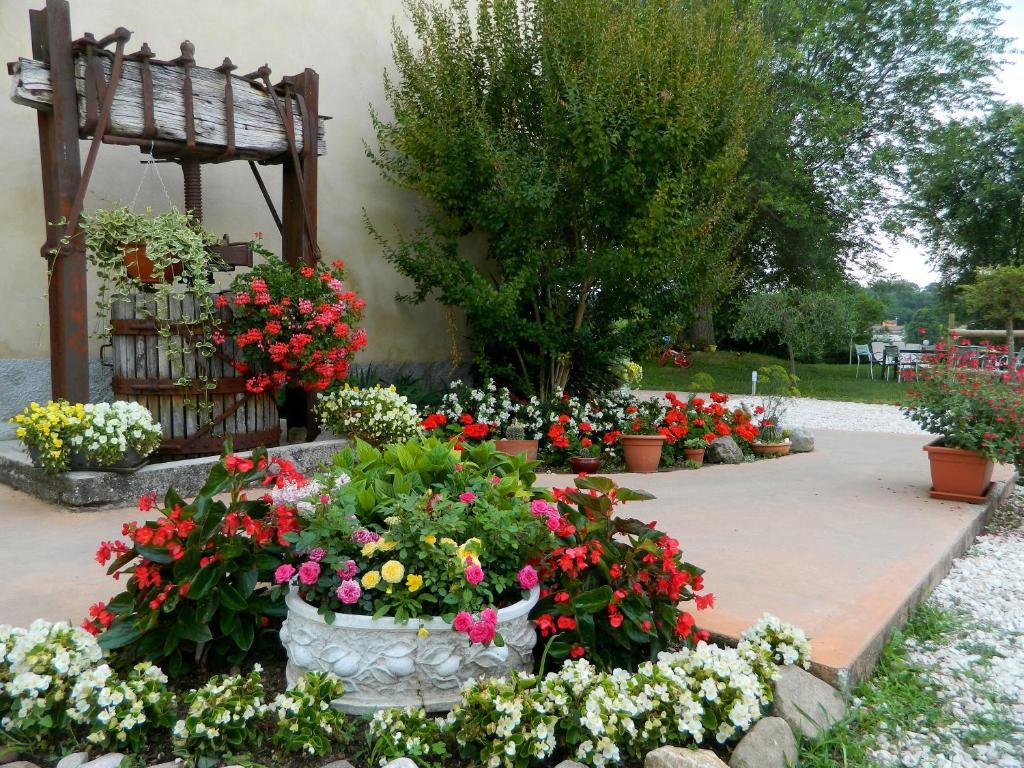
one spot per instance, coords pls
(303, 496)
(306, 721)
(38, 670)
(110, 429)
(771, 643)
(495, 406)
(406, 733)
(220, 714)
(378, 415)
(117, 712)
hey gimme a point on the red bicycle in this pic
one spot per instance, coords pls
(679, 357)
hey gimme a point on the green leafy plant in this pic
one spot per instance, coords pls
(411, 733)
(613, 586)
(702, 382)
(197, 576)
(222, 717)
(306, 722)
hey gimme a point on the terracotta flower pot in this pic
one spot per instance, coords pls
(516, 447)
(141, 268)
(585, 463)
(642, 452)
(771, 449)
(696, 455)
(958, 475)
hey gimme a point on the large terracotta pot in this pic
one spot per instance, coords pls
(516, 447)
(958, 475)
(387, 664)
(141, 268)
(585, 463)
(642, 452)
(696, 455)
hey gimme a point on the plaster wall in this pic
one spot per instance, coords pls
(346, 41)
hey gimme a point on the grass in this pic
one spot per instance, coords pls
(731, 373)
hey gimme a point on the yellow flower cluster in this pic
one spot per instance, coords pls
(40, 427)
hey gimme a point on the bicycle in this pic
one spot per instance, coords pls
(679, 357)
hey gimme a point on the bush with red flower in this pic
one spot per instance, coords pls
(612, 586)
(295, 327)
(196, 576)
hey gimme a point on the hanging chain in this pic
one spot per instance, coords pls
(151, 162)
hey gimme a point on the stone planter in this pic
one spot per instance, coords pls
(387, 664)
(516, 447)
(958, 475)
(642, 452)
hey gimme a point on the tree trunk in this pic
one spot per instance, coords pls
(792, 358)
(702, 329)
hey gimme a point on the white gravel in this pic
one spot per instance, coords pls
(979, 671)
(831, 414)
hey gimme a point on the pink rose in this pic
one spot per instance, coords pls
(495, 480)
(553, 522)
(540, 507)
(488, 616)
(349, 570)
(309, 572)
(481, 632)
(283, 573)
(527, 577)
(467, 496)
(463, 621)
(474, 574)
(317, 554)
(349, 592)
(458, 467)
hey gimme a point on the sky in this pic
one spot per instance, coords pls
(906, 259)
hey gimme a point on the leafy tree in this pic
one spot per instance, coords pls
(859, 83)
(807, 323)
(967, 194)
(596, 145)
(998, 294)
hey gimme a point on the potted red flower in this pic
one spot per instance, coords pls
(643, 440)
(585, 453)
(976, 410)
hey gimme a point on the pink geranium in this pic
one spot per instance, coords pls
(283, 573)
(474, 574)
(349, 592)
(309, 572)
(462, 622)
(527, 577)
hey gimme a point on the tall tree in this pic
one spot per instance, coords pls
(967, 193)
(859, 84)
(998, 294)
(596, 145)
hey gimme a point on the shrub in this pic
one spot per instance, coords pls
(197, 576)
(306, 721)
(222, 716)
(295, 327)
(612, 585)
(417, 530)
(702, 382)
(377, 415)
(412, 733)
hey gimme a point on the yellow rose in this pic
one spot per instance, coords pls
(370, 579)
(369, 548)
(423, 632)
(392, 571)
(414, 582)
(450, 542)
(386, 545)
(430, 539)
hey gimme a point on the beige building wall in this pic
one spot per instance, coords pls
(346, 41)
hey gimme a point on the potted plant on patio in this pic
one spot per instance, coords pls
(584, 453)
(377, 415)
(693, 449)
(642, 443)
(977, 413)
(515, 442)
(411, 574)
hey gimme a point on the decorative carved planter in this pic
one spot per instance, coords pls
(387, 664)
(958, 475)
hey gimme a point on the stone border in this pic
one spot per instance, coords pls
(89, 491)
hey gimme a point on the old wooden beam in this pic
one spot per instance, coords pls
(259, 132)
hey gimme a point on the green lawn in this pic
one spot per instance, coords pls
(731, 372)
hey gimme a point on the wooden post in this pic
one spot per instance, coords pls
(298, 239)
(61, 170)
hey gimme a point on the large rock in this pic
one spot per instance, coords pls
(74, 760)
(800, 440)
(570, 764)
(723, 450)
(401, 762)
(109, 760)
(769, 744)
(677, 757)
(808, 704)
(8, 755)
(339, 764)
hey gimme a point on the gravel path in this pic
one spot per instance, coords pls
(979, 670)
(832, 414)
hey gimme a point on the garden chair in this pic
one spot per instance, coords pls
(864, 355)
(909, 359)
(890, 360)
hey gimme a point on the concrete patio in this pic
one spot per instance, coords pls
(841, 542)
